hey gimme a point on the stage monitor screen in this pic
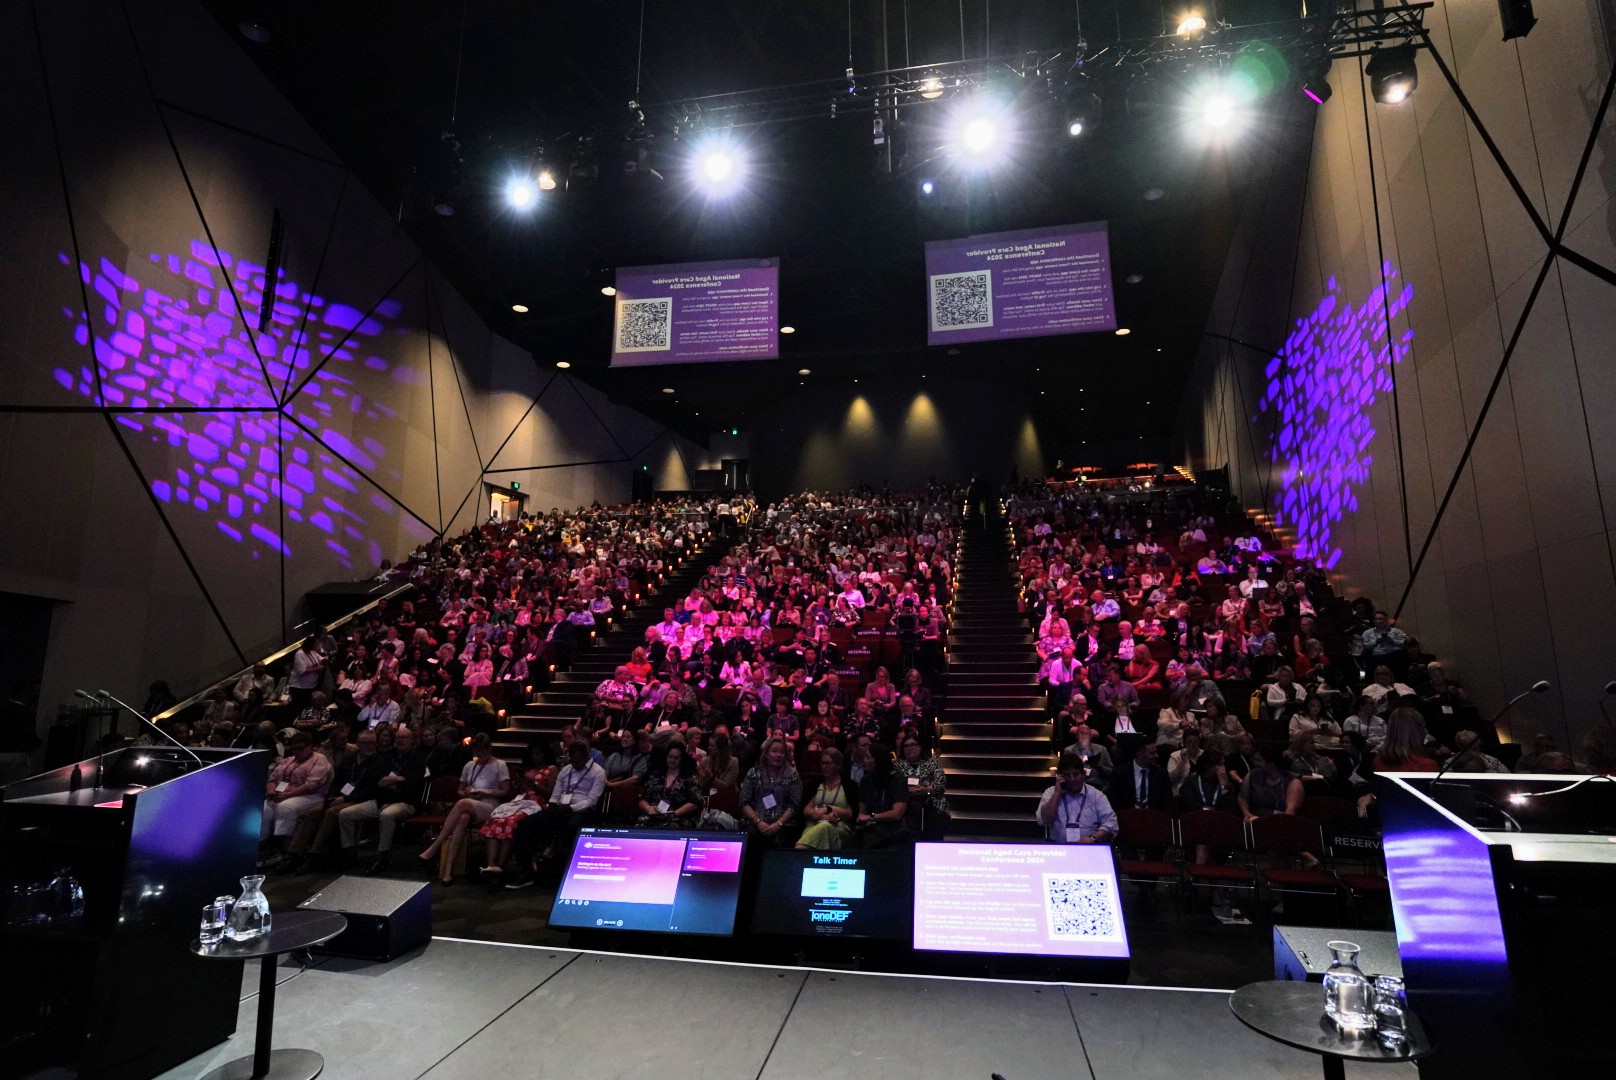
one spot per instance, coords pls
(853, 894)
(690, 312)
(1029, 283)
(660, 880)
(1048, 899)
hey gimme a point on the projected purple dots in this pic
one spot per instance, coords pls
(1320, 390)
(174, 338)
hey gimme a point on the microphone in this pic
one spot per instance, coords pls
(147, 721)
(87, 696)
(1539, 687)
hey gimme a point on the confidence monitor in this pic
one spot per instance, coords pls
(1019, 898)
(848, 894)
(658, 880)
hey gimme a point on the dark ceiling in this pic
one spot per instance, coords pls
(378, 80)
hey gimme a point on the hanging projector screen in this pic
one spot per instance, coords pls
(688, 312)
(1028, 283)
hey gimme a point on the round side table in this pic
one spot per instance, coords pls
(290, 931)
(1293, 1013)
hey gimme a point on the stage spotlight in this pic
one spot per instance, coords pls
(563, 364)
(931, 86)
(547, 180)
(608, 290)
(520, 309)
(718, 164)
(1217, 111)
(520, 193)
(788, 329)
(1318, 90)
(978, 136)
(927, 187)
(1191, 25)
(1393, 74)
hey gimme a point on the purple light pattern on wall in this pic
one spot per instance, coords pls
(178, 340)
(1322, 387)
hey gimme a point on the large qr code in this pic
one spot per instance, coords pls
(1080, 906)
(961, 301)
(645, 325)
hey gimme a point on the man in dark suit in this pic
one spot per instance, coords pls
(1141, 782)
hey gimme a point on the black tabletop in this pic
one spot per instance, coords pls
(289, 930)
(1293, 1013)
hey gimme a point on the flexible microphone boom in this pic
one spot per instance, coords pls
(1539, 687)
(144, 719)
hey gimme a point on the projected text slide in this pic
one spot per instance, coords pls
(1029, 283)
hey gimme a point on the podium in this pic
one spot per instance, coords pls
(1502, 890)
(151, 836)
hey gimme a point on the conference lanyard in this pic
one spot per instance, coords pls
(1077, 821)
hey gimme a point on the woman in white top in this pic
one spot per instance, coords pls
(485, 782)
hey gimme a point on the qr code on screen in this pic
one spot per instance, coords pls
(961, 301)
(645, 325)
(1080, 906)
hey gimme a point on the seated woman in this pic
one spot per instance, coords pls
(925, 781)
(881, 693)
(639, 666)
(783, 722)
(771, 793)
(823, 727)
(1143, 670)
(670, 795)
(1268, 790)
(1209, 787)
(500, 829)
(1306, 762)
(1174, 720)
(833, 807)
(883, 795)
(1313, 719)
(485, 782)
(719, 770)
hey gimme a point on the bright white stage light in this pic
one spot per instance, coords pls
(931, 86)
(927, 187)
(520, 192)
(1075, 128)
(1218, 111)
(979, 136)
(1191, 25)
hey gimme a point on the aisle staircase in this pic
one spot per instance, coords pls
(563, 701)
(994, 742)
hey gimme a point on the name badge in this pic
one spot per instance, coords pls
(347, 789)
(1447, 710)
(914, 781)
(769, 802)
(282, 786)
(1073, 834)
(662, 807)
(426, 774)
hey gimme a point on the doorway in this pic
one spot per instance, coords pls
(504, 504)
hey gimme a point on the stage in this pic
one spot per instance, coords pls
(458, 1008)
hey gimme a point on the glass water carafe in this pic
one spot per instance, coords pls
(249, 918)
(1348, 993)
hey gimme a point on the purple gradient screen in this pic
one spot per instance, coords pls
(1320, 391)
(1050, 899)
(172, 337)
(653, 880)
(1028, 283)
(697, 311)
(713, 856)
(624, 869)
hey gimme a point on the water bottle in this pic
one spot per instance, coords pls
(66, 897)
(249, 918)
(1348, 995)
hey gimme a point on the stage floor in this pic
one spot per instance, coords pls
(467, 1009)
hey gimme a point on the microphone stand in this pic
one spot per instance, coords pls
(147, 721)
(1508, 705)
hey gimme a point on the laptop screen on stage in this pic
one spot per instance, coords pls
(1049, 899)
(661, 880)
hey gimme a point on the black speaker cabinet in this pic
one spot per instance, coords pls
(385, 918)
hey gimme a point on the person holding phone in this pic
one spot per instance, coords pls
(1073, 812)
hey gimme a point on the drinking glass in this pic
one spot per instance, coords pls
(1391, 1012)
(215, 916)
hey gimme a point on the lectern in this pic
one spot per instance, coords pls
(1502, 890)
(151, 834)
